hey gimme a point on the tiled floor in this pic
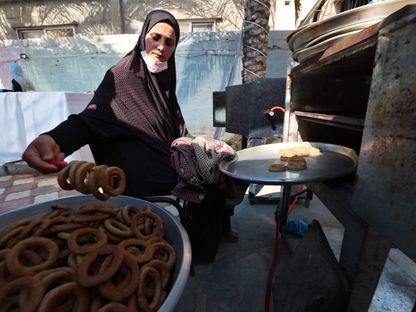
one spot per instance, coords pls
(27, 187)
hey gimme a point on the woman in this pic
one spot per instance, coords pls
(131, 122)
(132, 118)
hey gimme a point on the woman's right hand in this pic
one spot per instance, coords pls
(41, 150)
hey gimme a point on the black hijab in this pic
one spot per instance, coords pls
(132, 101)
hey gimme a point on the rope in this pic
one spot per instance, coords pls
(254, 23)
(257, 50)
(253, 73)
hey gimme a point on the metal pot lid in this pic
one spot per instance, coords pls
(367, 13)
(302, 55)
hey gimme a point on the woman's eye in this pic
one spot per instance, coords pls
(170, 43)
(156, 37)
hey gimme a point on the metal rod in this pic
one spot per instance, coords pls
(284, 204)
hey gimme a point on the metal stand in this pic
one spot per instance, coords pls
(254, 199)
(282, 211)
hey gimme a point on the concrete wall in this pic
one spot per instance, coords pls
(89, 18)
(105, 17)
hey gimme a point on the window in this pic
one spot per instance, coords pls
(30, 34)
(59, 32)
(47, 32)
(202, 26)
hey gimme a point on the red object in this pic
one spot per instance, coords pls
(277, 108)
(273, 266)
(59, 164)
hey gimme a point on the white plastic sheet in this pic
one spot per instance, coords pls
(25, 115)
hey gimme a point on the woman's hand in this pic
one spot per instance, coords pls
(43, 149)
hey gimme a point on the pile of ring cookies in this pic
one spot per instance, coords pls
(101, 181)
(94, 258)
(294, 158)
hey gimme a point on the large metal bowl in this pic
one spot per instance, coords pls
(175, 234)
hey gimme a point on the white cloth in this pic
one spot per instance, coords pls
(152, 65)
(25, 115)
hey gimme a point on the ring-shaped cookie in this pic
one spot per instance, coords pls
(117, 228)
(124, 281)
(126, 213)
(8, 238)
(3, 254)
(94, 207)
(142, 251)
(29, 229)
(93, 183)
(63, 180)
(100, 240)
(13, 258)
(31, 257)
(163, 270)
(114, 307)
(164, 252)
(77, 293)
(16, 287)
(44, 276)
(113, 239)
(113, 181)
(66, 227)
(80, 176)
(144, 217)
(149, 279)
(12, 227)
(114, 256)
(73, 167)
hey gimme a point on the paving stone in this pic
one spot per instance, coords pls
(45, 189)
(25, 176)
(6, 178)
(17, 203)
(24, 181)
(48, 181)
(21, 187)
(17, 195)
(46, 197)
(6, 182)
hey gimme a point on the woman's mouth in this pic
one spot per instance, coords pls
(158, 57)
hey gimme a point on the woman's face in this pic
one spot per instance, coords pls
(160, 42)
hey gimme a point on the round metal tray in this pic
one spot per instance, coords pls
(174, 232)
(251, 164)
